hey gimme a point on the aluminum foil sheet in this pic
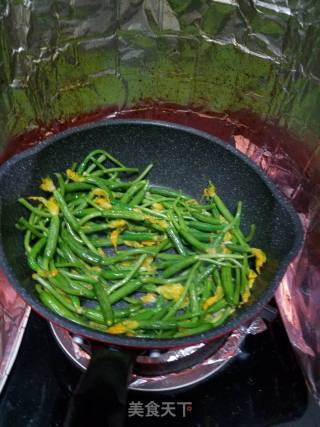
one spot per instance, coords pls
(14, 314)
(213, 61)
(62, 58)
(78, 351)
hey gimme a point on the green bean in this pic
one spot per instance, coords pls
(176, 240)
(61, 183)
(75, 300)
(53, 304)
(178, 303)
(74, 224)
(227, 283)
(71, 287)
(125, 290)
(96, 315)
(36, 211)
(208, 219)
(59, 295)
(23, 224)
(162, 281)
(80, 277)
(149, 313)
(158, 324)
(237, 281)
(194, 302)
(203, 226)
(207, 288)
(106, 155)
(163, 191)
(244, 272)
(115, 213)
(184, 246)
(251, 233)
(114, 275)
(125, 236)
(27, 237)
(186, 234)
(77, 186)
(128, 195)
(34, 252)
(115, 171)
(144, 173)
(81, 251)
(52, 240)
(139, 196)
(206, 325)
(206, 272)
(214, 308)
(178, 266)
(104, 302)
(129, 276)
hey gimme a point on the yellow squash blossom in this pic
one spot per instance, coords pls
(260, 258)
(117, 329)
(133, 244)
(161, 222)
(158, 207)
(245, 295)
(171, 291)
(53, 206)
(71, 174)
(103, 202)
(115, 236)
(39, 199)
(211, 251)
(209, 191)
(54, 272)
(147, 265)
(251, 278)
(148, 298)
(227, 237)
(100, 192)
(123, 327)
(117, 223)
(212, 300)
(126, 263)
(47, 185)
(192, 202)
(149, 242)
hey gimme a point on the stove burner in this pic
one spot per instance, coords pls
(161, 363)
(168, 370)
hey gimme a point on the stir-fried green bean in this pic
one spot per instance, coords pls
(113, 252)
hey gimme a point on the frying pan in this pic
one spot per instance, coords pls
(184, 159)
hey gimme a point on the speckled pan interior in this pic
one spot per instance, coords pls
(184, 159)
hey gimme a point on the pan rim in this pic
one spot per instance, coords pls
(246, 314)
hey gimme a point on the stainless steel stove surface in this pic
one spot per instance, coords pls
(261, 385)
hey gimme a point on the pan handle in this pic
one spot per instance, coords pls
(100, 397)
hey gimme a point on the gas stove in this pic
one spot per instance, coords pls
(170, 370)
(258, 384)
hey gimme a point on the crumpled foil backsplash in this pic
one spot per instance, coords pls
(61, 58)
(204, 64)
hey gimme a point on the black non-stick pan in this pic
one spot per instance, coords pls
(184, 159)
